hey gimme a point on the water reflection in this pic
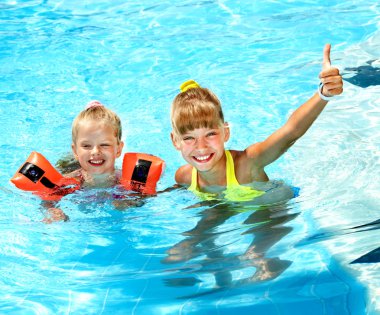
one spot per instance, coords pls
(326, 235)
(371, 257)
(215, 247)
(364, 76)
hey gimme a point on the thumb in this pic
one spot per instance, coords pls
(326, 63)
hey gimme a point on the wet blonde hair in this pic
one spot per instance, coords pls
(196, 108)
(100, 114)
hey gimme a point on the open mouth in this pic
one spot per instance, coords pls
(96, 162)
(203, 158)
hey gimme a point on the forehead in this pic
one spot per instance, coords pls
(203, 130)
(188, 118)
(95, 129)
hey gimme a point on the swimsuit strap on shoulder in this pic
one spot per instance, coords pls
(230, 174)
(234, 191)
(194, 180)
(194, 187)
(230, 171)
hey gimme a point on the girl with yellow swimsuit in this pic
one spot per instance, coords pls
(200, 132)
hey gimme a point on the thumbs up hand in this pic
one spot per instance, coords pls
(330, 77)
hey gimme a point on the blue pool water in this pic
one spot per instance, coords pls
(175, 254)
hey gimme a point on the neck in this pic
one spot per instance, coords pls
(215, 176)
(99, 180)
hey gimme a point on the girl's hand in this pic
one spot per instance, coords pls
(54, 215)
(330, 76)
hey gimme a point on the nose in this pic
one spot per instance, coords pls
(201, 143)
(95, 150)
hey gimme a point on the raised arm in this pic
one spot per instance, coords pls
(267, 151)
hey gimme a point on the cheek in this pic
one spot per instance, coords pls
(79, 152)
(186, 148)
(82, 155)
(187, 156)
(217, 142)
(114, 151)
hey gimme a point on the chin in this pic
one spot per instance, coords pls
(203, 168)
(97, 172)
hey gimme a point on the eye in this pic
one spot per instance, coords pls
(211, 134)
(188, 139)
(86, 146)
(104, 145)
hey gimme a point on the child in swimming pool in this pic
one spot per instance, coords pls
(199, 133)
(96, 144)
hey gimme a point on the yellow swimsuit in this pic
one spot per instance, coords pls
(234, 191)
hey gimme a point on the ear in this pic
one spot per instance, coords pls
(226, 132)
(174, 141)
(74, 151)
(119, 148)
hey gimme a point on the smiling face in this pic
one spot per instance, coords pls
(202, 148)
(96, 147)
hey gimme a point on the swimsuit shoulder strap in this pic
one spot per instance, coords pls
(230, 174)
(194, 180)
(230, 170)
(234, 191)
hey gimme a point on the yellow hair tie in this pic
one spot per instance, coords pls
(190, 84)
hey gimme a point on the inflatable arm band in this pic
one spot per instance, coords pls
(141, 172)
(40, 177)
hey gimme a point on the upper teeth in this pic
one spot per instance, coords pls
(97, 161)
(202, 158)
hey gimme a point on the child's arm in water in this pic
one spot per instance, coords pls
(69, 167)
(138, 199)
(51, 213)
(264, 153)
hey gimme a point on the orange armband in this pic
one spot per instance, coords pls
(141, 172)
(40, 177)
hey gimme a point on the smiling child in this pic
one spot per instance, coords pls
(200, 132)
(96, 144)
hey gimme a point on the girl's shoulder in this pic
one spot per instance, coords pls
(77, 174)
(247, 168)
(238, 156)
(183, 175)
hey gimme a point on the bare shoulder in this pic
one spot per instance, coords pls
(183, 175)
(242, 158)
(254, 151)
(246, 167)
(74, 174)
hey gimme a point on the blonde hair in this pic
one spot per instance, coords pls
(196, 108)
(99, 114)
